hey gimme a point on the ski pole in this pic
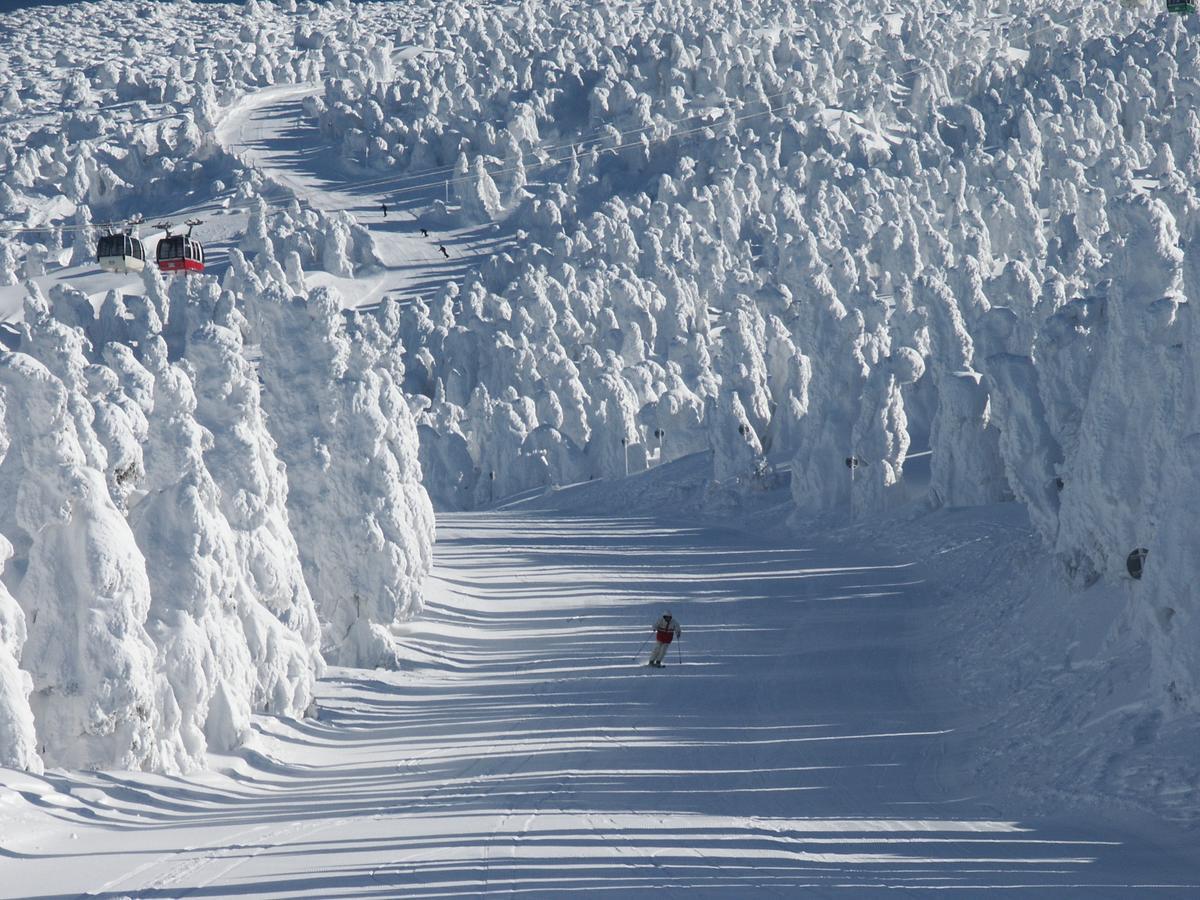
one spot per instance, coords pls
(680, 648)
(641, 648)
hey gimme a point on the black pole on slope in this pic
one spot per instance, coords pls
(641, 648)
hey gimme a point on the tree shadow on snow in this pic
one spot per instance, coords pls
(528, 752)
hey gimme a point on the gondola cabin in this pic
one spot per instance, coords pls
(180, 253)
(120, 253)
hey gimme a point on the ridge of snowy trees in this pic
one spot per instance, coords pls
(100, 124)
(165, 574)
(813, 241)
(172, 563)
(808, 241)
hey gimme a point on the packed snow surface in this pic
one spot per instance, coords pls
(791, 746)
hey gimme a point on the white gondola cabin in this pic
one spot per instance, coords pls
(121, 252)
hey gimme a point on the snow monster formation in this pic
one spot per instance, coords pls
(97, 698)
(813, 243)
(350, 445)
(165, 576)
(808, 242)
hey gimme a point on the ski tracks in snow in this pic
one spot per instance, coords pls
(192, 869)
(522, 752)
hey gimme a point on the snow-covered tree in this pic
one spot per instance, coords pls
(97, 700)
(18, 737)
(196, 589)
(253, 498)
(361, 517)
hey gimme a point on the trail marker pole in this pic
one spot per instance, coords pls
(852, 463)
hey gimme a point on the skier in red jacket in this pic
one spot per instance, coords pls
(665, 630)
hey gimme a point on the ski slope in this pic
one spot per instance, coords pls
(268, 130)
(805, 738)
(800, 745)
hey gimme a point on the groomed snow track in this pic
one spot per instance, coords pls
(794, 752)
(268, 129)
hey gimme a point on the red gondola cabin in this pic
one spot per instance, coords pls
(180, 253)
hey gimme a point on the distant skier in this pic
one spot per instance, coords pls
(665, 630)
(424, 232)
(383, 206)
(445, 252)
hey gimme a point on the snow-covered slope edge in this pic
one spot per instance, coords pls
(1063, 707)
